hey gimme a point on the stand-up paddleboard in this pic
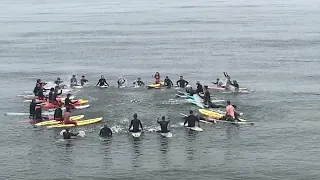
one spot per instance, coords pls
(41, 101)
(193, 128)
(136, 134)
(168, 134)
(79, 123)
(53, 122)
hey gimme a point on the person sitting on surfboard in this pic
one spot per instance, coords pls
(135, 123)
(83, 80)
(73, 81)
(230, 112)
(182, 83)
(218, 83)
(191, 120)
(102, 81)
(163, 125)
(138, 82)
(157, 77)
(41, 96)
(207, 99)
(58, 113)
(38, 114)
(55, 95)
(189, 90)
(32, 109)
(235, 85)
(66, 117)
(121, 82)
(68, 103)
(67, 134)
(105, 131)
(199, 88)
(168, 82)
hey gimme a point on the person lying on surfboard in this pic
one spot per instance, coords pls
(105, 131)
(157, 77)
(191, 120)
(102, 81)
(83, 80)
(163, 125)
(67, 134)
(182, 83)
(167, 82)
(138, 82)
(135, 123)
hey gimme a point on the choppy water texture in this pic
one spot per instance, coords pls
(269, 46)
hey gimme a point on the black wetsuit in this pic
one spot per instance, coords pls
(135, 125)
(58, 82)
(67, 135)
(36, 90)
(182, 83)
(68, 103)
(102, 82)
(58, 114)
(83, 81)
(168, 82)
(55, 95)
(32, 109)
(191, 120)
(40, 93)
(207, 98)
(199, 89)
(38, 115)
(105, 132)
(164, 126)
(73, 81)
(139, 83)
(121, 82)
(51, 93)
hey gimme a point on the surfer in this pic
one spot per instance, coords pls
(163, 125)
(67, 134)
(182, 83)
(73, 81)
(83, 80)
(32, 109)
(168, 82)
(207, 99)
(199, 88)
(135, 123)
(235, 85)
(105, 131)
(121, 82)
(66, 117)
(55, 95)
(68, 103)
(138, 82)
(189, 90)
(157, 77)
(218, 83)
(230, 112)
(50, 97)
(58, 81)
(38, 114)
(41, 96)
(191, 120)
(58, 113)
(102, 81)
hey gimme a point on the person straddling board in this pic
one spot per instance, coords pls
(191, 120)
(167, 82)
(58, 113)
(231, 113)
(102, 82)
(73, 81)
(207, 99)
(68, 103)
(199, 88)
(121, 82)
(182, 83)
(66, 117)
(67, 134)
(135, 123)
(164, 125)
(83, 80)
(218, 83)
(105, 131)
(32, 108)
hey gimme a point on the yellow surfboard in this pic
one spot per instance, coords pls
(210, 113)
(80, 123)
(53, 122)
(156, 85)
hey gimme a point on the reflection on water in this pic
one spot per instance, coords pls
(136, 142)
(164, 149)
(190, 143)
(105, 151)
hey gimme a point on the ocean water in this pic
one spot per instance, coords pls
(271, 47)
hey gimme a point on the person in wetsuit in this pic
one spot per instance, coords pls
(121, 82)
(73, 81)
(68, 103)
(67, 134)
(163, 125)
(37, 89)
(55, 95)
(138, 82)
(105, 131)
(191, 120)
(199, 88)
(83, 80)
(58, 82)
(58, 113)
(207, 99)
(135, 123)
(182, 83)
(51, 94)
(32, 109)
(102, 81)
(189, 90)
(38, 114)
(235, 85)
(41, 96)
(168, 82)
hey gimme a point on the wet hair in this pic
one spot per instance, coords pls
(163, 117)
(228, 102)
(102, 76)
(68, 95)
(82, 76)
(191, 112)
(51, 89)
(181, 76)
(135, 115)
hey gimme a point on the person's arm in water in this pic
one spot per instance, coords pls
(140, 125)
(98, 82)
(105, 82)
(74, 134)
(109, 132)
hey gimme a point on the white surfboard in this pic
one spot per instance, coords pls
(103, 87)
(193, 128)
(168, 134)
(136, 135)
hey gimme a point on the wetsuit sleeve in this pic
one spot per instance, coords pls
(60, 92)
(106, 82)
(185, 122)
(178, 82)
(110, 132)
(140, 125)
(100, 133)
(98, 83)
(187, 82)
(130, 125)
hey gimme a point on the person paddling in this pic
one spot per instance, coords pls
(58, 114)
(164, 125)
